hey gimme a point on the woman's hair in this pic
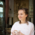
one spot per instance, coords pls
(26, 12)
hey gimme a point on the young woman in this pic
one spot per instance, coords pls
(23, 26)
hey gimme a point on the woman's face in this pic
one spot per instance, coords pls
(21, 15)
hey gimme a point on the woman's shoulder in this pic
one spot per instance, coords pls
(15, 23)
(31, 23)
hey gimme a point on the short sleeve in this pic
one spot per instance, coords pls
(13, 27)
(32, 29)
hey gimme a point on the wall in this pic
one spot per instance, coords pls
(19, 4)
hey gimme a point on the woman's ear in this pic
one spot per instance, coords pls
(26, 15)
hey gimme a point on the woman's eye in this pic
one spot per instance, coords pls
(21, 14)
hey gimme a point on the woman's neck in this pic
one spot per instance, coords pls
(23, 21)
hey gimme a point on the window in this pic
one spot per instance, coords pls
(1, 9)
(1, 12)
(1, 3)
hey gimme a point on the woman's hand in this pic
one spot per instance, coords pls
(13, 33)
(19, 33)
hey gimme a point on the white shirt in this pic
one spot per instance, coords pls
(23, 28)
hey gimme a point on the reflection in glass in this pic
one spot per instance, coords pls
(1, 18)
(1, 9)
(1, 3)
(1, 15)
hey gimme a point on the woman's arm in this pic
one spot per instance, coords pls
(19, 33)
(32, 30)
(12, 29)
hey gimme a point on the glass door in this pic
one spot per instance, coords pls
(1, 18)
